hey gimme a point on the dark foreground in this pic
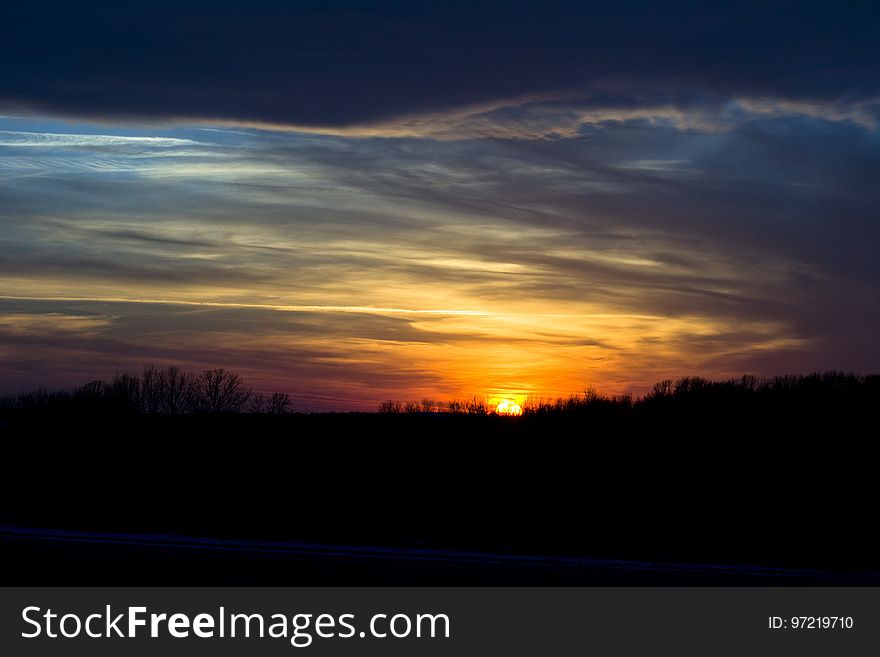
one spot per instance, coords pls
(77, 557)
(699, 495)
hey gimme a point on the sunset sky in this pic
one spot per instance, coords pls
(354, 201)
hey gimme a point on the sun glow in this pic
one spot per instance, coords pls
(508, 407)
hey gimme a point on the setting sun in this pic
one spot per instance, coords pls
(508, 407)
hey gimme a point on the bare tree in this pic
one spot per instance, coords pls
(476, 407)
(92, 396)
(221, 391)
(151, 389)
(126, 392)
(258, 403)
(279, 403)
(390, 406)
(93, 390)
(177, 390)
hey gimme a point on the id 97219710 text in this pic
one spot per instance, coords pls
(810, 622)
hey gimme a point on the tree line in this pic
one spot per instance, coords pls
(473, 406)
(174, 391)
(686, 393)
(159, 391)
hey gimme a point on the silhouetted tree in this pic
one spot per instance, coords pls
(125, 392)
(662, 389)
(91, 397)
(279, 403)
(258, 403)
(221, 391)
(42, 400)
(151, 389)
(689, 403)
(177, 391)
(92, 390)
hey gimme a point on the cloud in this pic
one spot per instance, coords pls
(19, 139)
(344, 269)
(327, 359)
(567, 118)
(348, 66)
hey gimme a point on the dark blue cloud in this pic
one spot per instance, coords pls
(341, 63)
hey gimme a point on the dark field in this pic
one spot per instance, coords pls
(786, 482)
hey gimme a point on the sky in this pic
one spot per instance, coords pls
(358, 201)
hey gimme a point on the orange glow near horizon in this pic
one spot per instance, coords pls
(505, 352)
(345, 289)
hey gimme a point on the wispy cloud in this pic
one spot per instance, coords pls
(561, 117)
(19, 139)
(356, 269)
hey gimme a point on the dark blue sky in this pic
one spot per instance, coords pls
(337, 63)
(357, 201)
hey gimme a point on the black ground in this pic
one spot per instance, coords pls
(788, 486)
